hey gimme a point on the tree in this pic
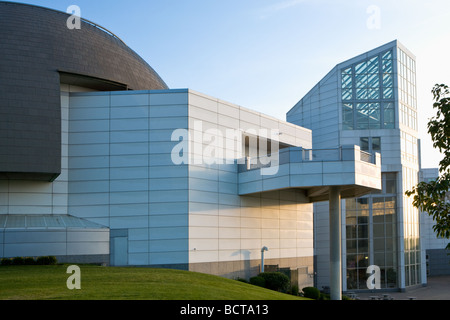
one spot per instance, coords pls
(430, 196)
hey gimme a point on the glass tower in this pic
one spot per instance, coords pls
(371, 101)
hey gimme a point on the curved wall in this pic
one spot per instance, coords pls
(37, 52)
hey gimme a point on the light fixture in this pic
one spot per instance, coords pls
(262, 257)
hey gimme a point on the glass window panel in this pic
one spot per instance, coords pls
(350, 204)
(347, 115)
(351, 220)
(362, 203)
(351, 246)
(373, 94)
(389, 258)
(361, 81)
(363, 231)
(361, 68)
(389, 244)
(347, 71)
(362, 280)
(347, 94)
(364, 143)
(374, 122)
(351, 232)
(387, 55)
(362, 122)
(388, 93)
(379, 259)
(378, 230)
(374, 116)
(362, 110)
(351, 260)
(363, 261)
(390, 231)
(388, 81)
(361, 94)
(373, 81)
(376, 144)
(351, 214)
(389, 202)
(364, 218)
(388, 67)
(390, 215)
(372, 65)
(346, 81)
(389, 116)
(378, 216)
(390, 186)
(373, 107)
(378, 203)
(379, 243)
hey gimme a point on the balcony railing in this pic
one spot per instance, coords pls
(298, 154)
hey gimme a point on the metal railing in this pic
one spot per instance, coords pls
(303, 155)
(333, 154)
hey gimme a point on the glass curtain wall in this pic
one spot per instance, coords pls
(368, 102)
(368, 94)
(371, 235)
(410, 161)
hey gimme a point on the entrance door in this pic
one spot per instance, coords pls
(120, 251)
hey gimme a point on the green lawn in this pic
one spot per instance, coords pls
(112, 283)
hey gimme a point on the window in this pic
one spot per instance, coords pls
(347, 116)
(367, 88)
(375, 242)
(409, 148)
(370, 144)
(388, 115)
(407, 90)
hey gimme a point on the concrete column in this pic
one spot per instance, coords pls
(335, 244)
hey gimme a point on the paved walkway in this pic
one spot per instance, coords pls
(438, 288)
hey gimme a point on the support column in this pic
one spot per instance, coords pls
(335, 244)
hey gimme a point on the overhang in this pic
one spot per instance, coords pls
(356, 172)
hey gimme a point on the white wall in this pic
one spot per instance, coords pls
(224, 226)
(121, 174)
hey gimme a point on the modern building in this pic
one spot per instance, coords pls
(371, 101)
(101, 162)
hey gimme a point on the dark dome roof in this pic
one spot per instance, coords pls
(38, 52)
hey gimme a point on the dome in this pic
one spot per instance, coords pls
(38, 52)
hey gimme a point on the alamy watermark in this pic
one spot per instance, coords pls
(374, 280)
(374, 20)
(74, 21)
(213, 146)
(74, 281)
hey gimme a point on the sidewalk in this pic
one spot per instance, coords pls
(438, 288)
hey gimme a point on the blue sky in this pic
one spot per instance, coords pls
(267, 54)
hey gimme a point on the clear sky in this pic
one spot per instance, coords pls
(267, 54)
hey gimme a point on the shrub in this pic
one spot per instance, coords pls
(29, 261)
(276, 281)
(46, 260)
(258, 281)
(18, 261)
(324, 296)
(311, 292)
(294, 290)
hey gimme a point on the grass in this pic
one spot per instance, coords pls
(114, 283)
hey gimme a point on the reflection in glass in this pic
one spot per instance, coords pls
(369, 81)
